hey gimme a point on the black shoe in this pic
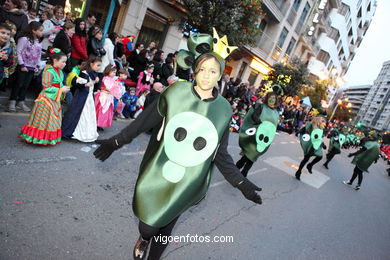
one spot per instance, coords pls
(309, 167)
(100, 128)
(347, 182)
(357, 187)
(298, 176)
(140, 249)
(326, 166)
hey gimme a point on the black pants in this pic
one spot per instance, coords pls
(246, 163)
(330, 155)
(18, 92)
(148, 232)
(306, 159)
(357, 173)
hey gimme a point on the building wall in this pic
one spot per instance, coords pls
(375, 111)
(135, 15)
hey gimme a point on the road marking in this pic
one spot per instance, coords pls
(289, 166)
(133, 153)
(14, 114)
(224, 181)
(284, 142)
(292, 142)
(41, 160)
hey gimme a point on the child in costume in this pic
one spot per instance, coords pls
(80, 119)
(130, 101)
(190, 134)
(145, 79)
(44, 123)
(311, 143)
(104, 99)
(337, 139)
(363, 159)
(141, 102)
(258, 130)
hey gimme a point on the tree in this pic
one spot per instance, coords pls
(292, 76)
(316, 92)
(238, 19)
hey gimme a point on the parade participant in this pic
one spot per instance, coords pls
(141, 102)
(44, 123)
(258, 130)
(80, 119)
(337, 139)
(311, 142)
(190, 135)
(145, 79)
(363, 159)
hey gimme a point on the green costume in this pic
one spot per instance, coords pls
(364, 160)
(311, 139)
(255, 139)
(177, 176)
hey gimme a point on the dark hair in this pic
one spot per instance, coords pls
(112, 36)
(33, 26)
(54, 56)
(137, 45)
(83, 65)
(110, 68)
(152, 49)
(123, 71)
(95, 31)
(48, 15)
(169, 60)
(90, 16)
(5, 26)
(78, 31)
(157, 56)
(268, 95)
(68, 25)
(143, 53)
(18, 3)
(93, 59)
(199, 61)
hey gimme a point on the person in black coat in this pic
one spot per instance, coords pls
(158, 60)
(63, 42)
(95, 45)
(11, 11)
(167, 70)
(140, 64)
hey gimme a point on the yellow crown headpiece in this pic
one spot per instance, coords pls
(221, 45)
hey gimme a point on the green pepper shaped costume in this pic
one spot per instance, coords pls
(311, 138)
(255, 139)
(364, 160)
(335, 141)
(177, 176)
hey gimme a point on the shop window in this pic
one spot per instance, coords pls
(242, 69)
(252, 77)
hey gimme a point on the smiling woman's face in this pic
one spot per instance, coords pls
(208, 74)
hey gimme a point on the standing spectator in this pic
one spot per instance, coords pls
(167, 71)
(51, 27)
(145, 79)
(223, 84)
(140, 64)
(68, 17)
(151, 46)
(109, 47)
(11, 11)
(133, 54)
(25, 6)
(95, 45)
(172, 80)
(44, 16)
(154, 93)
(29, 57)
(9, 71)
(6, 57)
(151, 53)
(64, 43)
(79, 43)
(91, 20)
(32, 16)
(158, 60)
(50, 10)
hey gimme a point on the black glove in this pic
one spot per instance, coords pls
(248, 189)
(106, 148)
(323, 146)
(350, 155)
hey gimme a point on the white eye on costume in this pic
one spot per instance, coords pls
(306, 137)
(251, 131)
(336, 138)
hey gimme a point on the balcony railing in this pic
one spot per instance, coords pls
(265, 43)
(276, 53)
(277, 7)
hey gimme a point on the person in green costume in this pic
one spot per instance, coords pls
(258, 130)
(190, 135)
(311, 143)
(363, 159)
(337, 139)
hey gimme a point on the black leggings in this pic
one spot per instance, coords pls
(246, 163)
(330, 155)
(306, 159)
(148, 232)
(357, 173)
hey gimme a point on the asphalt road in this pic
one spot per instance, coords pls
(61, 203)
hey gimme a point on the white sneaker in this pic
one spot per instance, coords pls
(11, 106)
(21, 105)
(347, 183)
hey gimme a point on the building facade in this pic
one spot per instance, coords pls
(375, 111)
(356, 95)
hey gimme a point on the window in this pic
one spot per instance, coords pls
(296, 4)
(323, 56)
(290, 46)
(304, 13)
(252, 77)
(262, 25)
(334, 34)
(282, 37)
(242, 69)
